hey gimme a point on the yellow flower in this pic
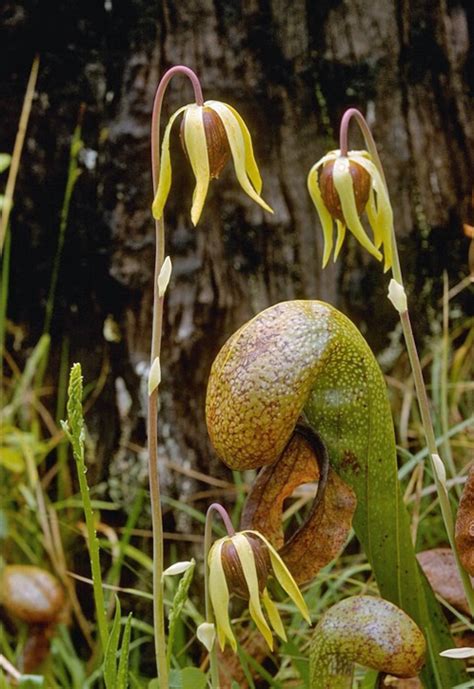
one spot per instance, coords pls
(208, 132)
(342, 187)
(238, 562)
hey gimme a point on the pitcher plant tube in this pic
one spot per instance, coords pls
(368, 631)
(305, 359)
(342, 185)
(211, 133)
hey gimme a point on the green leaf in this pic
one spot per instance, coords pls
(122, 675)
(110, 660)
(370, 680)
(5, 161)
(40, 351)
(187, 678)
(12, 459)
(31, 682)
(4, 532)
(179, 600)
(193, 678)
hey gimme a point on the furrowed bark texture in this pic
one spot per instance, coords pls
(291, 69)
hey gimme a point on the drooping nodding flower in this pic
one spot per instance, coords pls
(210, 133)
(240, 564)
(342, 187)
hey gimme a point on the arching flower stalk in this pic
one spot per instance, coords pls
(240, 564)
(342, 185)
(211, 133)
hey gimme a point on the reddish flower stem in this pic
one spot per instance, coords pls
(157, 328)
(421, 393)
(214, 507)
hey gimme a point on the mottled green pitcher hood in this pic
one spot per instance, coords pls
(305, 357)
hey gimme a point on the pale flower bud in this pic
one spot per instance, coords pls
(397, 295)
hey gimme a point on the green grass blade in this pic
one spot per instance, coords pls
(110, 659)
(122, 675)
(75, 430)
(26, 378)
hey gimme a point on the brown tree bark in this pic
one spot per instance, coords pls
(291, 69)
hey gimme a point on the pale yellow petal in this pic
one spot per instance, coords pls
(196, 148)
(219, 594)
(257, 616)
(341, 233)
(284, 577)
(164, 178)
(273, 615)
(342, 179)
(237, 147)
(324, 215)
(372, 214)
(384, 223)
(332, 155)
(247, 560)
(250, 162)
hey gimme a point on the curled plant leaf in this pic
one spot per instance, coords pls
(323, 534)
(368, 631)
(465, 524)
(441, 571)
(306, 358)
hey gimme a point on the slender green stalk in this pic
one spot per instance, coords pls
(157, 327)
(415, 364)
(4, 283)
(64, 476)
(72, 176)
(444, 410)
(5, 236)
(215, 507)
(433, 450)
(17, 149)
(74, 428)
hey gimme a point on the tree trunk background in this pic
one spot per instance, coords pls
(291, 69)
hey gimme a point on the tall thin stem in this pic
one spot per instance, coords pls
(422, 396)
(215, 507)
(157, 328)
(17, 149)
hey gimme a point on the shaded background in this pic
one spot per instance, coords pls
(291, 69)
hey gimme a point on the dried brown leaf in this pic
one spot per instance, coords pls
(465, 524)
(441, 571)
(230, 667)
